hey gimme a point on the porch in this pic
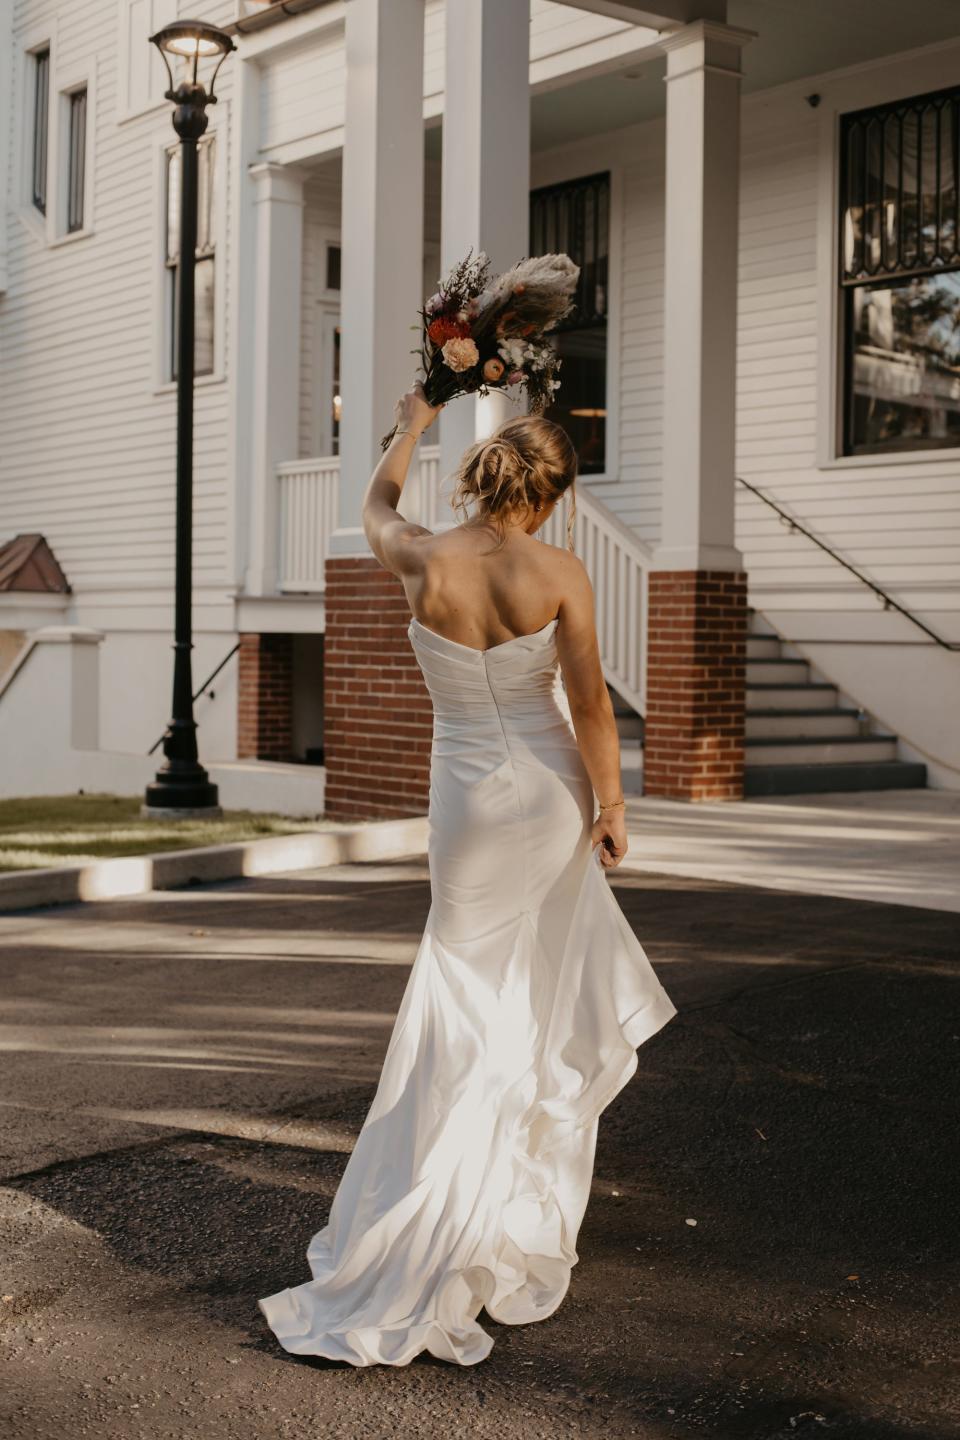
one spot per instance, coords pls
(590, 98)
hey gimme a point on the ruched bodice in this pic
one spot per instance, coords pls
(520, 1020)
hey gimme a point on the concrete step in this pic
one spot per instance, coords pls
(814, 695)
(833, 778)
(825, 750)
(798, 724)
(777, 672)
(763, 647)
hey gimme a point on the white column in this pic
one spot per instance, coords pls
(275, 359)
(700, 297)
(485, 201)
(381, 238)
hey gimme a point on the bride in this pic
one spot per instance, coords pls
(529, 992)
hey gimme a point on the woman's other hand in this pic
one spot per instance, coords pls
(610, 833)
(414, 412)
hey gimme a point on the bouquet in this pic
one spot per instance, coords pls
(481, 334)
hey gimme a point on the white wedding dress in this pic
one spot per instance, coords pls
(520, 1020)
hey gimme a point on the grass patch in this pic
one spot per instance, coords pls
(51, 830)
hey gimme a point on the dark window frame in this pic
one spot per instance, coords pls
(77, 106)
(888, 242)
(573, 215)
(41, 128)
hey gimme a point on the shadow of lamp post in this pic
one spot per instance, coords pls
(182, 787)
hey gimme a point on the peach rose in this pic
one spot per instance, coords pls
(460, 354)
(493, 370)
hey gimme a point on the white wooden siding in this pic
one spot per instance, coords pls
(88, 445)
(553, 30)
(302, 92)
(321, 216)
(898, 522)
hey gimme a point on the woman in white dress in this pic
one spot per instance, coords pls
(529, 992)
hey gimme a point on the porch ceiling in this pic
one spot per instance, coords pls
(794, 38)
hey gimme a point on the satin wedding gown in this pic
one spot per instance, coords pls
(520, 1020)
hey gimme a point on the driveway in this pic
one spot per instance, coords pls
(184, 1076)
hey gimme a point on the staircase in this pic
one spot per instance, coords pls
(800, 735)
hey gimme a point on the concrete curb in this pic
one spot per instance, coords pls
(139, 874)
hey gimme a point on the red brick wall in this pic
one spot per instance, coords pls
(696, 670)
(377, 716)
(265, 697)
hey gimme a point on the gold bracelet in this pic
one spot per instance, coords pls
(415, 433)
(614, 805)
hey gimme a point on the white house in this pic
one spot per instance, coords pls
(763, 375)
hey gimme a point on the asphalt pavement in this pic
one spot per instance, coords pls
(184, 1075)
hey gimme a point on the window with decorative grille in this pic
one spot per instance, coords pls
(76, 158)
(205, 273)
(574, 218)
(899, 262)
(41, 112)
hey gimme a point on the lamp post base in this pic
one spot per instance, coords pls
(182, 793)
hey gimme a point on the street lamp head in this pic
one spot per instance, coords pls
(192, 41)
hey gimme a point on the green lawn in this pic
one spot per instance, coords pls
(72, 829)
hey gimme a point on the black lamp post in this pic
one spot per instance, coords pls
(182, 784)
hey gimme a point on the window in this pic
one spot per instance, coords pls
(204, 275)
(76, 157)
(333, 267)
(575, 218)
(900, 274)
(41, 113)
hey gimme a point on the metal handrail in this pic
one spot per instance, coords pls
(206, 684)
(888, 601)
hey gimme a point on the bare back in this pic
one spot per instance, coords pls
(464, 585)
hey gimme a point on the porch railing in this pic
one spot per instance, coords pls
(307, 502)
(616, 559)
(618, 563)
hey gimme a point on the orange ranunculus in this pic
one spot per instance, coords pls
(444, 328)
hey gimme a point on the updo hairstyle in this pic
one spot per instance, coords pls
(527, 461)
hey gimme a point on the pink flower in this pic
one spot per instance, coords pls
(460, 354)
(515, 377)
(493, 370)
(436, 303)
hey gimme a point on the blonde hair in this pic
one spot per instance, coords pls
(526, 461)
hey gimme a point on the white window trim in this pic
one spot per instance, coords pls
(124, 112)
(573, 166)
(899, 79)
(58, 192)
(38, 37)
(219, 127)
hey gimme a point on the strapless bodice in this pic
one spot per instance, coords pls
(511, 688)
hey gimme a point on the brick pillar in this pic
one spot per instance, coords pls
(696, 673)
(377, 715)
(265, 697)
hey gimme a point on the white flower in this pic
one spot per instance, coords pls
(514, 351)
